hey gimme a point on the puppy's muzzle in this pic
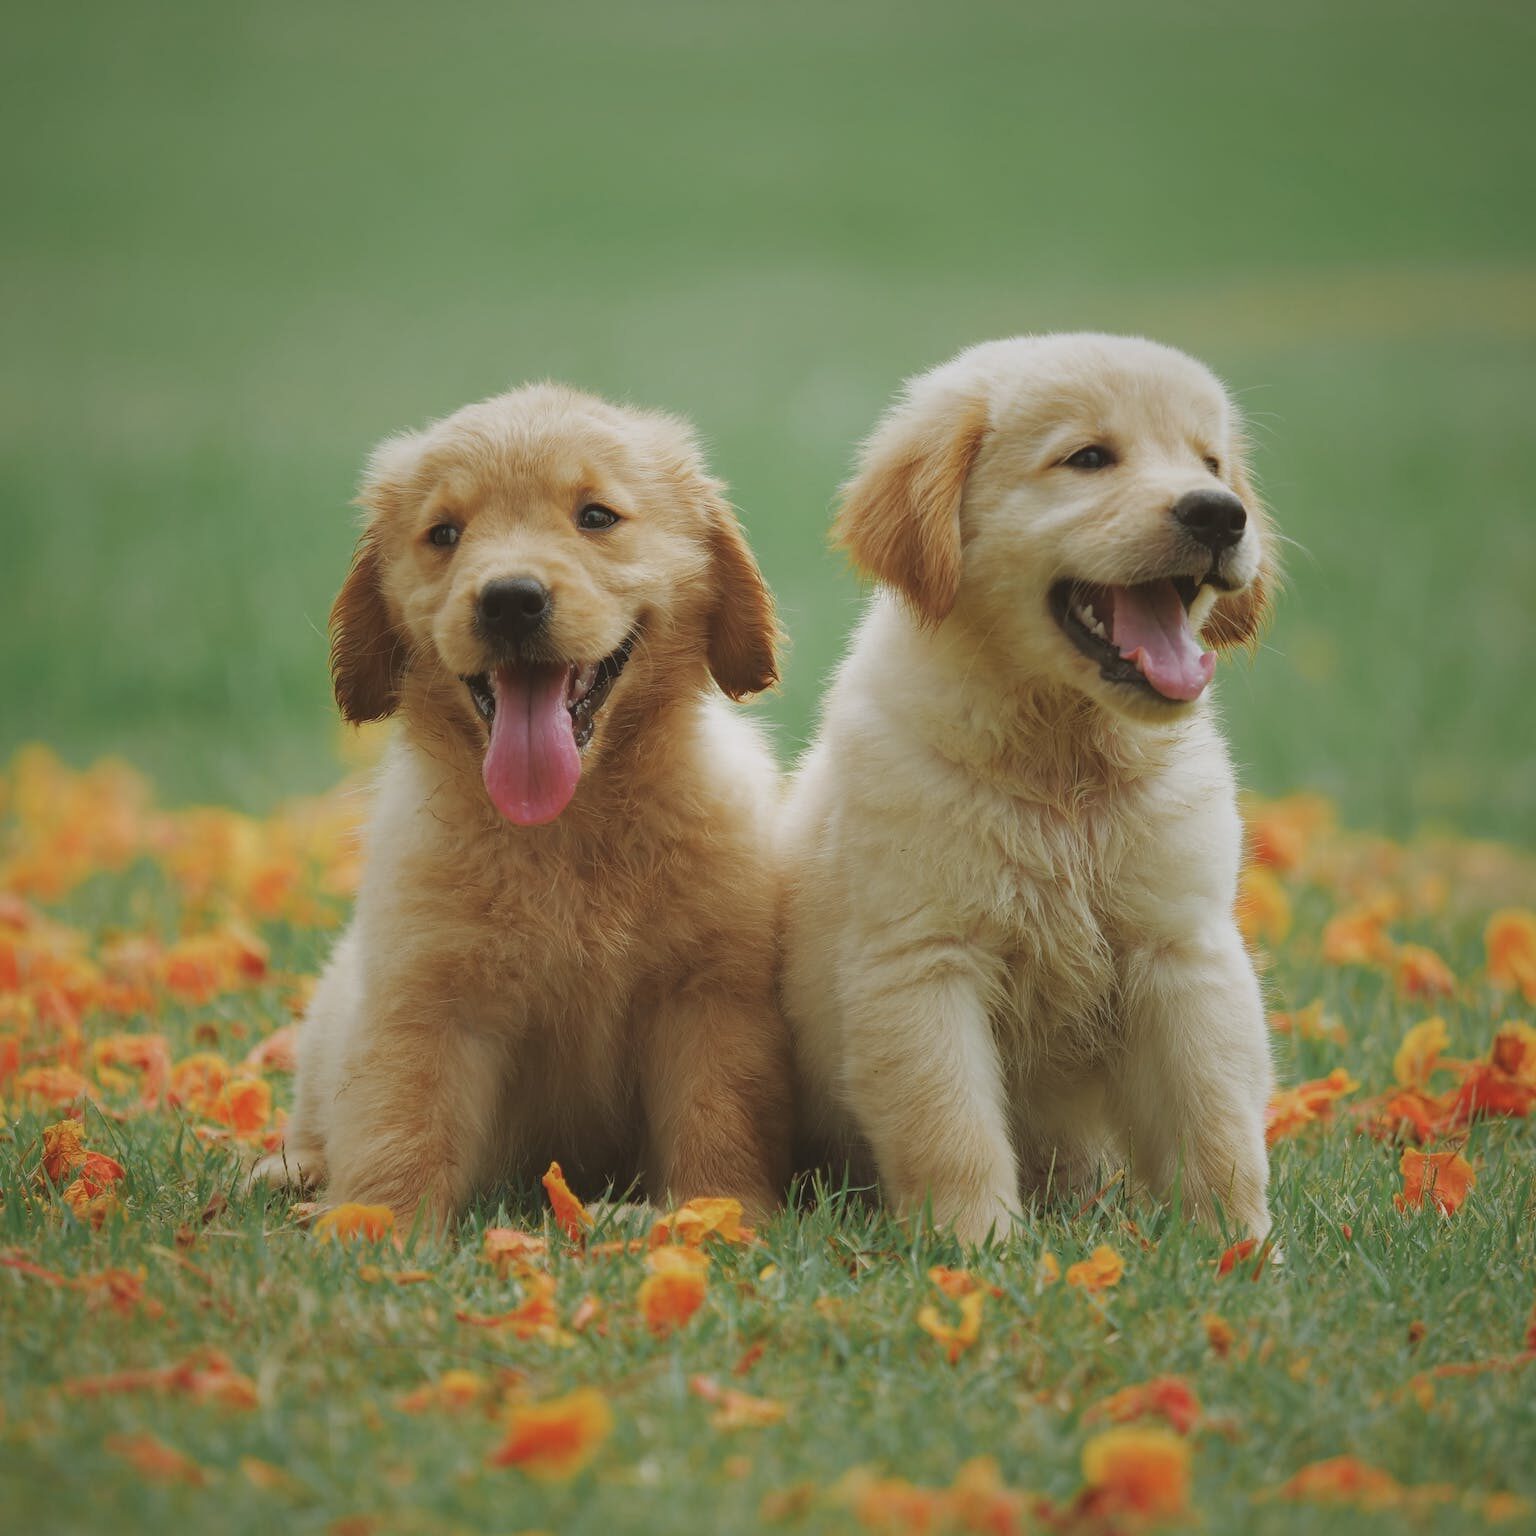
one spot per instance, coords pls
(1215, 519)
(513, 609)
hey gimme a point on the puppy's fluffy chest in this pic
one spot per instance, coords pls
(1054, 917)
(1076, 869)
(552, 932)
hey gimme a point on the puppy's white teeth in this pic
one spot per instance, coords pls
(581, 684)
(1090, 621)
(1200, 608)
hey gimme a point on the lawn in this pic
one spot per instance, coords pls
(242, 245)
(182, 1354)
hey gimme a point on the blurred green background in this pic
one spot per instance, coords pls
(240, 245)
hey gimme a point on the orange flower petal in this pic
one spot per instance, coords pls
(1514, 1052)
(1218, 1334)
(1166, 1397)
(1411, 1113)
(198, 1080)
(1100, 1270)
(1138, 1472)
(244, 1104)
(1420, 972)
(205, 1376)
(675, 1288)
(557, 1439)
(955, 1337)
(1444, 1177)
(148, 1055)
(451, 1392)
(735, 1410)
(1343, 1480)
(955, 1283)
(513, 1252)
(1358, 936)
(1488, 1090)
(588, 1314)
(1235, 1255)
(122, 1290)
(1263, 908)
(1279, 831)
(1510, 940)
(571, 1215)
(50, 1085)
(536, 1317)
(699, 1219)
(155, 1461)
(1420, 1052)
(349, 1221)
(1292, 1109)
(63, 1150)
(279, 1052)
(1309, 1023)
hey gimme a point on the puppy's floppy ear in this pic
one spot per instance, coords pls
(1238, 618)
(369, 652)
(900, 516)
(743, 628)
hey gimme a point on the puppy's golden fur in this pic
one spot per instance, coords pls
(597, 989)
(1013, 853)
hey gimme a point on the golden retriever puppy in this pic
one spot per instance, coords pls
(563, 942)
(1013, 847)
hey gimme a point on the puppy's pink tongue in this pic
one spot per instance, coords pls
(531, 765)
(1151, 627)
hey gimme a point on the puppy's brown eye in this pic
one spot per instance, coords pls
(1214, 465)
(444, 535)
(593, 519)
(1095, 456)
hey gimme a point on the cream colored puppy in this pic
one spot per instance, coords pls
(563, 944)
(1013, 847)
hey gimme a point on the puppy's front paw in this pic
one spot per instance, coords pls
(289, 1168)
(976, 1220)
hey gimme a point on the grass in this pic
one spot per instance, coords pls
(243, 247)
(1326, 1346)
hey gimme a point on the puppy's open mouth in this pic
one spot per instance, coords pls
(540, 715)
(1144, 636)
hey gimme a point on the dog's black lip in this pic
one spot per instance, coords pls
(1113, 667)
(584, 710)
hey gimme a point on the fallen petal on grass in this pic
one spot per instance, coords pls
(1444, 1178)
(555, 1440)
(674, 1289)
(571, 1216)
(1143, 1473)
(356, 1223)
(1102, 1269)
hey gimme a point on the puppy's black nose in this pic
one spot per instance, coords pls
(1215, 518)
(513, 607)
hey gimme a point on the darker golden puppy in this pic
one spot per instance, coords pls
(563, 941)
